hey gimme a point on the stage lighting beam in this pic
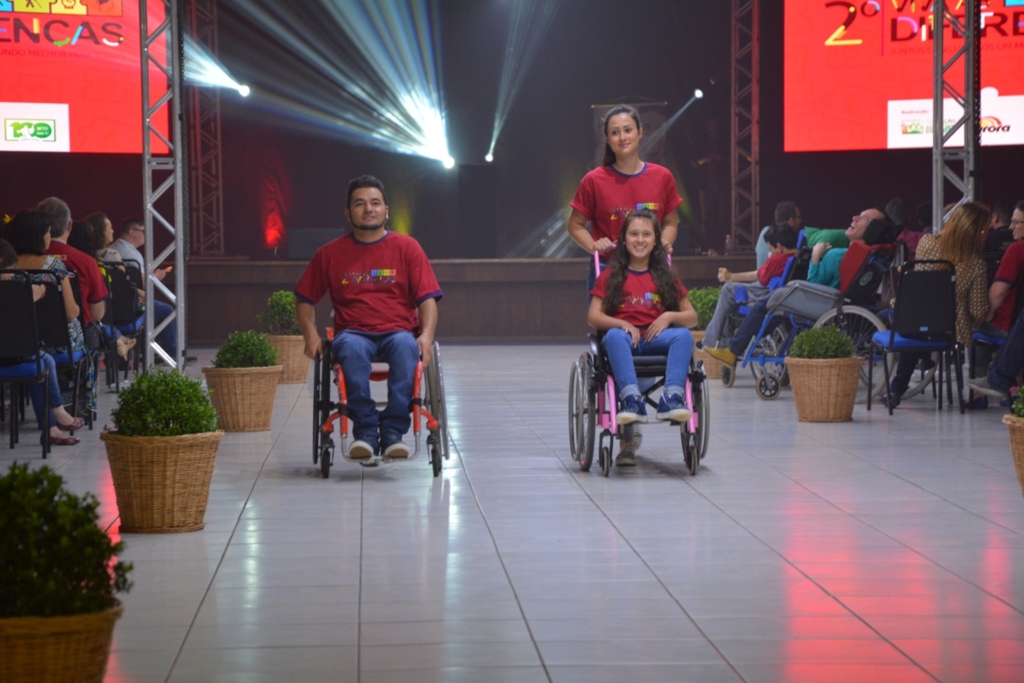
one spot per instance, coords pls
(202, 69)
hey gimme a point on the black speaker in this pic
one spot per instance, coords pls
(478, 212)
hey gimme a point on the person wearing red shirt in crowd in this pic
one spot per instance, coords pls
(642, 307)
(90, 282)
(384, 296)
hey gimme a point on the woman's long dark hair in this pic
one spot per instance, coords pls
(661, 273)
(609, 155)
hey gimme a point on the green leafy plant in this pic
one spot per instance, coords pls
(1017, 408)
(704, 300)
(279, 315)
(164, 404)
(822, 342)
(54, 559)
(245, 350)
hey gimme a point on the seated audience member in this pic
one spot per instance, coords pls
(913, 231)
(91, 284)
(826, 257)
(103, 237)
(1000, 233)
(1002, 295)
(782, 245)
(29, 235)
(643, 309)
(787, 213)
(897, 212)
(80, 237)
(960, 243)
(876, 232)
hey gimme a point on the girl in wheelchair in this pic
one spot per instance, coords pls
(641, 306)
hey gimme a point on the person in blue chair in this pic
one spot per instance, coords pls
(642, 307)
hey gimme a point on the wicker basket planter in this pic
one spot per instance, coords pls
(824, 389)
(57, 649)
(162, 483)
(1016, 427)
(243, 397)
(712, 366)
(291, 351)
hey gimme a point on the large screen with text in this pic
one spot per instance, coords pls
(858, 74)
(70, 78)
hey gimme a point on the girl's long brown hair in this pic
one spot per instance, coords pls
(618, 265)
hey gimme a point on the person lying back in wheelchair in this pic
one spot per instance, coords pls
(642, 307)
(384, 295)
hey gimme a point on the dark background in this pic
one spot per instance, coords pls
(596, 52)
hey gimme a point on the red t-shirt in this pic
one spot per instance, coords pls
(641, 304)
(374, 287)
(1009, 271)
(90, 282)
(606, 196)
(773, 267)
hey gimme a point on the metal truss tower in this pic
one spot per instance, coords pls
(744, 134)
(163, 174)
(958, 165)
(206, 191)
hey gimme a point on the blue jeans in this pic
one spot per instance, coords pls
(749, 328)
(1002, 373)
(355, 352)
(675, 342)
(168, 337)
(35, 392)
(719, 325)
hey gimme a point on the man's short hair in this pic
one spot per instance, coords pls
(1003, 212)
(782, 235)
(361, 182)
(128, 223)
(58, 213)
(924, 214)
(785, 212)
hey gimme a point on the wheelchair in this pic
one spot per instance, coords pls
(803, 305)
(592, 404)
(428, 408)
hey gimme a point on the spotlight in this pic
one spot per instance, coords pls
(244, 91)
(489, 158)
(698, 93)
(448, 162)
(203, 69)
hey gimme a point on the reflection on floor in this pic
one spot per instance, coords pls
(887, 549)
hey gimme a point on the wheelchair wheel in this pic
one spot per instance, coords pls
(728, 375)
(584, 407)
(326, 459)
(861, 324)
(691, 450)
(317, 408)
(437, 440)
(701, 390)
(575, 412)
(605, 460)
(768, 386)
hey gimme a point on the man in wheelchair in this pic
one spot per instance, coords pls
(384, 296)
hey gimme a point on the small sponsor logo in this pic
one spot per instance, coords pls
(990, 124)
(38, 130)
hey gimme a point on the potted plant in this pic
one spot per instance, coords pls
(704, 301)
(59, 574)
(162, 454)
(824, 372)
(1014, 421)
(278, 322)
(243, 382)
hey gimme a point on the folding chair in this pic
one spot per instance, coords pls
(20, 346)
(924, 320)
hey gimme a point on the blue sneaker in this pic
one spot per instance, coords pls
(392, 446)
(632, 410)
(672, 409)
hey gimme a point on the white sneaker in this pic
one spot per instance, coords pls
(396, 450)
(361, 450)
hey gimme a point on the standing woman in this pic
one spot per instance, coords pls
(960, 243)
(623, 183)
(643, 308)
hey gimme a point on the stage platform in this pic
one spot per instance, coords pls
(493, 300)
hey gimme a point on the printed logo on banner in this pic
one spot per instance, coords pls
(61, 22)
(43, 130)
(1002, 122)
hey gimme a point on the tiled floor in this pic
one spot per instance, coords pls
(887, 549)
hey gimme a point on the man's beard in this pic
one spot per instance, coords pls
(369, 227)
